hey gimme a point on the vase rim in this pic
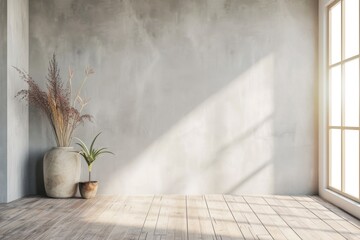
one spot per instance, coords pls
(87, 182)
(64, 147)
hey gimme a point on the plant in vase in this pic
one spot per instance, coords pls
(63, 109)
(88, 189)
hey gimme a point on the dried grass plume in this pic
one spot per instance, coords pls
(63, 110)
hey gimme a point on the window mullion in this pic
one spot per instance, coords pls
(344, 61)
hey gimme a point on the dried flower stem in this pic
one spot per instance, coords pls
(55, 103)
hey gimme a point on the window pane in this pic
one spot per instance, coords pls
(335, 158)
(352, 93)
(351, 27)
(335, 96)
(335, 33)
(352, 162)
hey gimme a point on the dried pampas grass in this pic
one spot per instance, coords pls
(57, 103)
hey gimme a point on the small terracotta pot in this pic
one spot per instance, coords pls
(88, 189)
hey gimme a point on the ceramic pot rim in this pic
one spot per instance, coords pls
(63, 147)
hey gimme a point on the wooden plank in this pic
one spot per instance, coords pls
(87, 218)
(319, 201)
(340, 225)
(70, 225)
(302, 198)
(56, 212)
(148, 230)
(248, 222)
(8, 215)
(162, 221)
(25, 225)
(276, 226)
(282, 202)
(116, 216)
(117, 219)
(17, 224)
(176, 217)
(177, 222)
(242, 215)
(22, 202)
(295, 217)
(171, 220)
(199, 221)
(160, 230)
(97, 224)
(103, 231)
(10, 212)
(132, 220)
(55, 218)
(302, 221)
(222, 219)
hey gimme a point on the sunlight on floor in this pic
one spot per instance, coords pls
(220, 216)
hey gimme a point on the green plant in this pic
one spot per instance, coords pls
(91, 154)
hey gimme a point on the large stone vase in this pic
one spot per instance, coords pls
(62, 168)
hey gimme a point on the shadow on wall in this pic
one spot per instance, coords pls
(36, 163)
(36, 152)
(195, 96)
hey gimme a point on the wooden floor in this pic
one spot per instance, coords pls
(176, 217)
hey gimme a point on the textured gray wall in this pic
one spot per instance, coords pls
(3, 101)
(18, 114)
(213, 96)
(14, 120)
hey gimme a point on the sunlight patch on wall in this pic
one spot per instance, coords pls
(223, 145)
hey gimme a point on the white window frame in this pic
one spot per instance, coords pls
(340, 200)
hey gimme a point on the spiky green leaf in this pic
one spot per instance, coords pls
(92, 144)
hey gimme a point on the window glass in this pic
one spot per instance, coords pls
(351, 30)
(352, 162)
(351, 69)
(335, 34)
(335, 96)
(335, 158)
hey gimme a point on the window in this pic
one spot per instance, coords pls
(343, 98)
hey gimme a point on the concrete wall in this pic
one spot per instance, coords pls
(14, 121)
(18, 114)
(3, 100)
(214, 96)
